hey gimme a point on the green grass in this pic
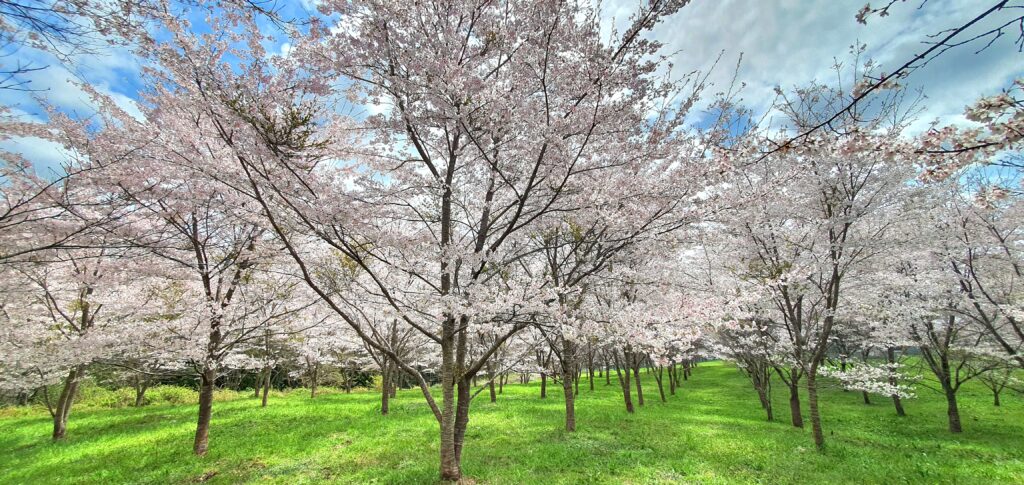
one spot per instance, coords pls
(713, 431)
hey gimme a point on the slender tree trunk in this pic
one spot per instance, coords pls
(206, 381)
(385, 388)
(607, 372)
(65, 401)
(867, 398)
(890, 355)
(543, 385)
(314, 380)
(266, 386)
(766, 403)
(995, 397)
(812, 403)
(639, 388)
(659, 374)
(590, 369)
(490, 383)
(624, 382)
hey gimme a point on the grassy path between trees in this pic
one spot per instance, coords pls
(712, 431)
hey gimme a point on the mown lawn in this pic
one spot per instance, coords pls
(712, 431)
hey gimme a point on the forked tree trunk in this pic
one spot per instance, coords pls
(659, 374)
(140, 395)
(995, 397)
(639, 388)
(206, 380)
(65, 401)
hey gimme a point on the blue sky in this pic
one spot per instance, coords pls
(783, 43)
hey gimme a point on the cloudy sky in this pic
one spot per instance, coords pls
(782, 42)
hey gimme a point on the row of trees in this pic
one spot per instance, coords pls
(529, 197)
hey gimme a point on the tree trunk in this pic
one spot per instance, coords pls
(659, 374)
(67, 398)
(794, 400)
(266, 386)
(867, 399)
(570, 400)
(543, 385)
(590, 369)
(385, 388)
(812, 403)
(766, 403)
(140, 395)
(313, 380)
(639, 388)
(450, 469)
(672, 378)
(890, 354)
(952, 409)
(206, 381)
(624, 382)
(995, 397)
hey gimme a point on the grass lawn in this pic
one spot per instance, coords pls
(712, 431)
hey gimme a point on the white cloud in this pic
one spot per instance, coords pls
(791, 42)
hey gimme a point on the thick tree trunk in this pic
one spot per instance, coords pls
(794, 400)
(867, 398)
(952, 410)
(812, 403)
(65, 401)
(206, 381)
(570, 401)
(995, 397)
